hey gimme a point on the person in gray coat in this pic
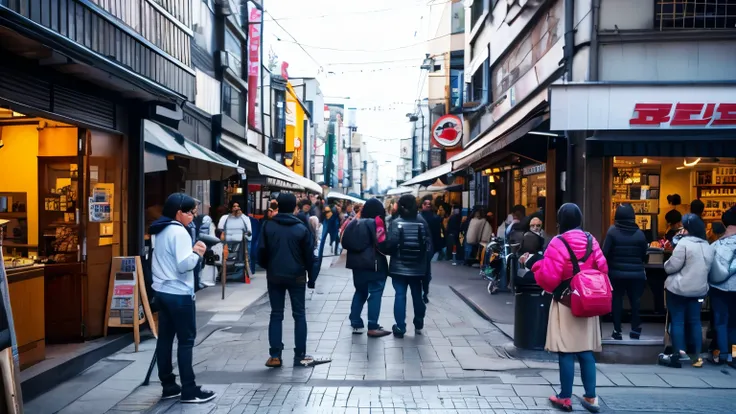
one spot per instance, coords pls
(723, 290)
(686, 287)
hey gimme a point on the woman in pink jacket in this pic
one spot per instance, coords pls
(568, 335)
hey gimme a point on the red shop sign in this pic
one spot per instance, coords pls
(684, 115)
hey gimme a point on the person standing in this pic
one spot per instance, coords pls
(625, 248)
(722, 278)
(685, 288)
(285, 250)
(473, 235)
(435, 230)
(364, 239)
(452, 234)
(330, 227)
(172, 268)
(409, 245)
(237, 233)
(204, 275)
(569, 336)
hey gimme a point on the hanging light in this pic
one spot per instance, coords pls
(491, 179)
(493, 192)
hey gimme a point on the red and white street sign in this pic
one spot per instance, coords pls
(620, 107)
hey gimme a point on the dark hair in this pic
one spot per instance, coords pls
(305, 202)
(673, 216)
(372, 209)
(674, 199)
(178, 202)
(287, 203)
(273, 205)
(427, 197)
(408, 206)
(519, 209)
(697, 207)
(694, 226)
(729, 217)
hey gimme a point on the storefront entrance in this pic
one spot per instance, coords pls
(61, 190)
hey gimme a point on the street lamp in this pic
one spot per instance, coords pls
(428, 63)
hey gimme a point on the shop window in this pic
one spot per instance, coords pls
(203, 24)
(233, 103)
(458, 17)
(530, 183)
(234, 49)
(695, 14)
(200, 189)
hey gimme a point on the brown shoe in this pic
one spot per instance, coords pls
(274, 362)
(378, 333)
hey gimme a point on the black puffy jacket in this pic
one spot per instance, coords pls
(285, 249)
(409, 243)
(625, 247)
(359, 240)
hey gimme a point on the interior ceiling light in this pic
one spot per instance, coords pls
(691, 164)
(644, 161)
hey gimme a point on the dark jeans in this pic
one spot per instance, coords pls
(277, 297)
(684, 310)
(334, 240)
(567, 373)
(176, 317)
(633, 288)
(402, 286)
(316, 267)
(428, 277)
(368, 287)
(723, 306)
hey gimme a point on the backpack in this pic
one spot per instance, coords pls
(412, 246)
(588, 292)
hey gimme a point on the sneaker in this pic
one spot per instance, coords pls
(398, 333)
(591, 404)
(358, 331)
(171, 391)
(274, 362)
(199, 396)
(564, 404)
(715, 358)
(378, 333)
(635, 334)
(617, 335)
(669, 361)
(419, 331)
(698, 363)
(308, 361)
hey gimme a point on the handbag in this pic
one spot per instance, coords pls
(563, 293)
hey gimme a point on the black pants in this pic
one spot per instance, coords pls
(633, 288)
(176, 317)
(277, 297)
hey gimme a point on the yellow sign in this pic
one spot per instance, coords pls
(295, 116)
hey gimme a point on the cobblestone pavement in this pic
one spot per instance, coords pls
(388, 375)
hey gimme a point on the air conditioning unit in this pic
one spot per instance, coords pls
(224, 58)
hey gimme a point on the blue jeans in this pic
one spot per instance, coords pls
(176, 317)
(277, 297)
(402, 286)
(567, 373)
(723, 305)
(368, 287)
(684, 310)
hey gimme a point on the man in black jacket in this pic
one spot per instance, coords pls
(285, 250)
(409, 244)
(625, 249)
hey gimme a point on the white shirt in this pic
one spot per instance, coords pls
(236, 226)
(173, 262)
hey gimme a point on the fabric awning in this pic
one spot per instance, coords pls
(476, 150)
(430, 175)
(162, 141)
(400, 191)
(270, 171)
(341, 196)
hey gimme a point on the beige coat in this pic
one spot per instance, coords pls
(567, 333)
(475, 231)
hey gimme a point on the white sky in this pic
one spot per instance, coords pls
(362, 32)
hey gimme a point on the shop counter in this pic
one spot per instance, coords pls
(26, 285)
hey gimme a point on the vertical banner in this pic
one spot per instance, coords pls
(254, 66)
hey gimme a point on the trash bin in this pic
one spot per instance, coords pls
(531, 312)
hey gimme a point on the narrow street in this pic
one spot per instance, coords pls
(458, 365)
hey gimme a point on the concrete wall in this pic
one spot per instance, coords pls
(668, 61)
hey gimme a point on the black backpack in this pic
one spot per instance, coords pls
(412, 246)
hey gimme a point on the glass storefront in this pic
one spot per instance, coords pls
(530, 183)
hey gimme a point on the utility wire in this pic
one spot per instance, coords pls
(364, 50)
(349, 13)
(321, 68)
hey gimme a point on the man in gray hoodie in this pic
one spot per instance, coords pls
(172, 267)
(722, 279)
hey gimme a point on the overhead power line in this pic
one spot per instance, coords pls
(393, 49)
(350, 13)
(321, 68)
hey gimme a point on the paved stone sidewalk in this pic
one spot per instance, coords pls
(377, 375)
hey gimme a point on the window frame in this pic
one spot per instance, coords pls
(227, 88)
